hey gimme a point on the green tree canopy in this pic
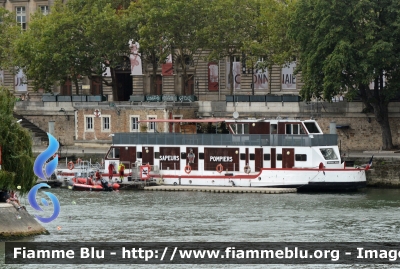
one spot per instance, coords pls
(346, 45)
(9, 31)
(153, 48)
(16, 144)
(80, 38)
(230, 24)
(53, 48)
(179, 22)
(271, 40)
(107, 32)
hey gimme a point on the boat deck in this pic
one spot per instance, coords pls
(221, 189)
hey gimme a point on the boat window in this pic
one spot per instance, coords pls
(279, 157)
(267, 157)
(288, 128)
(113, 153)
(246, 129)
(312, 127)
(329, 154)
(240, 128)
(183, 155)
(301, 157)
(294, 129)
(274, 128)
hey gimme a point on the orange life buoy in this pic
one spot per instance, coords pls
(78, 161)
(219, 168)
(71, 165)
(188, 169)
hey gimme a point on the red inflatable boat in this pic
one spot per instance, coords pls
(88, 184)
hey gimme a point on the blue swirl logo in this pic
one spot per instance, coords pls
(43, 170)
(32, 200)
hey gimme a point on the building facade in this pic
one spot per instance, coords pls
(93, 115)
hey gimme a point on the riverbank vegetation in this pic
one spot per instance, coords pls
(16, 149)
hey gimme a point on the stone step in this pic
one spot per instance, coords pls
(38, 135)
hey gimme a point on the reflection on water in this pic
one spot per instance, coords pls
(135, 216)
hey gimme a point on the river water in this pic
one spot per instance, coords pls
(369, 215)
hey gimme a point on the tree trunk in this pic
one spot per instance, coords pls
(230, 77)
(381, 112)
(382, 117)
(184, 75)
(114, 84)
(154, 76)
(76, 85)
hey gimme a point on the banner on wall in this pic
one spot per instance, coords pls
(213, 79)
(167, 69)
(134, 57)
(260, 79)
(236, 75)
(107, 72)
(288, 77)
(20, 82)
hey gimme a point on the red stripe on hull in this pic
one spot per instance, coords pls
(246, 176)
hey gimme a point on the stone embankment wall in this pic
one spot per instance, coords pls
(17, 223)
(385, 172)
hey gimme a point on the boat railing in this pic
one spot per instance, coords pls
(96, 166)
(225, 139)
(133, 165)
(154, 168)
(83, 165)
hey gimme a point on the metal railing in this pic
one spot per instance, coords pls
(224, 139)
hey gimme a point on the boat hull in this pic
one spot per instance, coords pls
(305, 179)
(84, 187)
(332, 186)
(87, 184)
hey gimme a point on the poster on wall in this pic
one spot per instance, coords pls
(107, 72)
(288, 77)
(20, 82)
(236, 75)
(260, 79)
(1, 77)
(167, 69)
(134, 57)
(213, 77)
